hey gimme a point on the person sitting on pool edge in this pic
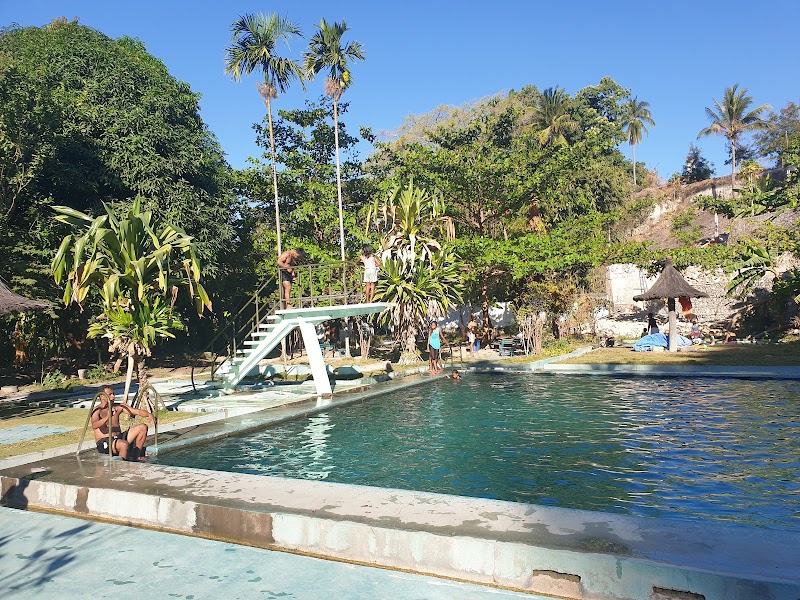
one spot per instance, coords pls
(129, 444)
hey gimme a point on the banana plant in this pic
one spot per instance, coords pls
(752, 264)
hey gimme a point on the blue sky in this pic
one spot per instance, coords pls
(419, 55)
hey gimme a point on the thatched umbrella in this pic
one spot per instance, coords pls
(670, 284)
(11, 302)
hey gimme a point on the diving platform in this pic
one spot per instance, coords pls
(268, 334)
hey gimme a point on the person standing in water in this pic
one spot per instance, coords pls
(434, 349)
(370, 272)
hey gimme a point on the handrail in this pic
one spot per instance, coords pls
(253, 299)
(88, 418)
(137, 401)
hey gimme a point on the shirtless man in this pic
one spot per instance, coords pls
(129, 445)
(286, 262)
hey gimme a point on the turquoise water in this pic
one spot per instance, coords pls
(679, 448)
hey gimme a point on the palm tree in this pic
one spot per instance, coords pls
(138, 269)
(255, 38)
(732, 118)
(325, 51)
(551, 116)
(636, 117)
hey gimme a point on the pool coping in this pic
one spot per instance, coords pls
(565, 552)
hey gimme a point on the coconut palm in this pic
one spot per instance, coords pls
(255, 38)
(732, 118)
(325, 51)
(636, 118)
(551, 117)
(138, 269)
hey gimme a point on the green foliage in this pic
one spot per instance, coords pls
(774, 140)
(696, 167)
(134, 264)
(55, 380)
(421, 276)
(86, 119)
(254, 47)
(733, 117)
(753, 262)
(144, 322)
(684, 227)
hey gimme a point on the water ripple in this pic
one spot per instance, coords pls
(715, 449)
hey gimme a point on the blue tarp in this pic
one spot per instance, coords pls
(655, 340)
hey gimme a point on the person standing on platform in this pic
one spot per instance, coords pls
(370, 272)
(286, 263)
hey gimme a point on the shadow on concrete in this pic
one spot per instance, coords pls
(27, 574)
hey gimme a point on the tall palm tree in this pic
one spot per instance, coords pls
(732, 118)
(636, 117)
(325, 51)
(255, 38)
(551, 116)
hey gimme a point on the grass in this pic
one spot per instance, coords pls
(758, 355)
(17, 414)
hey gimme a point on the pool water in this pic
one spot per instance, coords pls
(710, 449)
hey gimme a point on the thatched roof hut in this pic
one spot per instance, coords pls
(11, 302)
(670, 284)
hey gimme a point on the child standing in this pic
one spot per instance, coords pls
(370, 272)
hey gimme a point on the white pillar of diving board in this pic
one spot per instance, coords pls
(315, 360)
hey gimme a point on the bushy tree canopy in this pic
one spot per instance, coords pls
(85, 118)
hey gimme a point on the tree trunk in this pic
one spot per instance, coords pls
(410, 354)
(633, 149)
(733, 166)
(145, 402)
(129, 376)
(274, 174)
(338, 174)
(487, 321)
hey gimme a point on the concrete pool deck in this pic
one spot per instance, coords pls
(561, 552)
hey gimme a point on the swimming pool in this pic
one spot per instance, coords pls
(710, 449)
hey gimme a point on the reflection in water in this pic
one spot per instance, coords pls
(718, 449)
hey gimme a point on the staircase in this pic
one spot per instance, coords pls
(260, 342)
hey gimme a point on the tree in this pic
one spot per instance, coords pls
(138, 268)
(325, 51)
(732, 118)
(304, 145)
(636, 117)
(776, 138)
(551, 116)
(696, 167)
(87, 119)
(255, 38)
(421, 275)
